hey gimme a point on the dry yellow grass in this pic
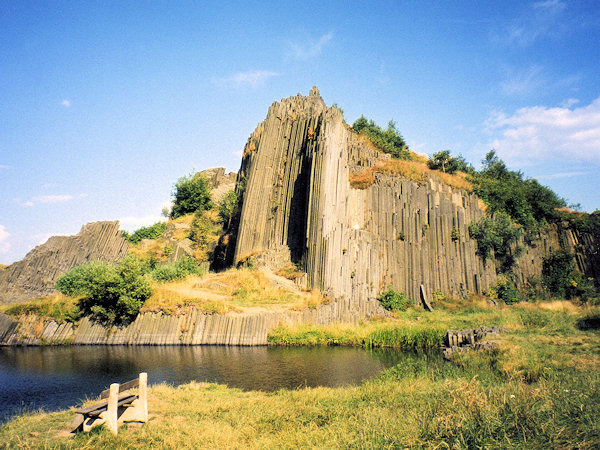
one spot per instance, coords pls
(232, 290)
(416, 170)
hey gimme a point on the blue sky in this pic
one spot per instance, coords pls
(103, 105)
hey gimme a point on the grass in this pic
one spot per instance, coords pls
(58, 307)
(211, 293)
(540, 389)
(231, 290)
(415, 170)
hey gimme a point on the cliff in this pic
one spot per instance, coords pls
(36, 274)
(298, 204)
(191, 328)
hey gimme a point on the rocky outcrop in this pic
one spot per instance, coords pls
(191, 328)
(584, 246)
(219, 182)
(36, 274)
(350, 242)
(458, 341)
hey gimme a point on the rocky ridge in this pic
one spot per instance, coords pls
(36, 274)
(351, 242)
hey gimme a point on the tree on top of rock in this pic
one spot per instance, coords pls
(190, 194)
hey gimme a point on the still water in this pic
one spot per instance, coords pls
(54, 378)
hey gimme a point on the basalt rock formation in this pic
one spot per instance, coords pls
(190, 328)
(298, 204)
(36, 274)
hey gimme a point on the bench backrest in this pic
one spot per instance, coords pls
(122, 387)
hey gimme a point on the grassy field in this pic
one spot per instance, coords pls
(540, 389)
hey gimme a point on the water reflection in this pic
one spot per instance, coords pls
(58, 377)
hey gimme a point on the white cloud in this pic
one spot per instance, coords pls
(66, 103)
(536, 133)
(311, 49)
(49, 199)
(2, 166)
(251, 78)
(4, 243)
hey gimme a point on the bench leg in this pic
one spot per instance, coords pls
(111, 410)
(138, 411)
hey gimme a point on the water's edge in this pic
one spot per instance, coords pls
(191, 328)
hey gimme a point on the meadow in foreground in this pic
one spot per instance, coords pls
(539, 389)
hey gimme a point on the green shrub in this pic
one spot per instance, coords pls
(150, 232)
(389, 141)
(177, 270)
(203, 231)
(557, 268)
(393, 300)
(526, 202)
(505, 290)
(500, 235)
(111, 294)
(227, 207)
(190, 194)
(444, 162)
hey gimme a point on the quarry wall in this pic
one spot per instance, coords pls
(351, 242)
(191, 328)
(36, 274)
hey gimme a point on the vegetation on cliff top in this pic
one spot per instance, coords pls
(190, 194)
(388, 141)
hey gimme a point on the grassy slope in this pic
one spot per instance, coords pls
(541, 389)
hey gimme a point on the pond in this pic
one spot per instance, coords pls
(54, 378)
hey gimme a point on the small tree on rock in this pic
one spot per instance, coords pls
(190, 194)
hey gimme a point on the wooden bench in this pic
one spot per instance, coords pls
(117, 406)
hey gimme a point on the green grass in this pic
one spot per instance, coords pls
(57, 307)
(539, 389)
(370, 335)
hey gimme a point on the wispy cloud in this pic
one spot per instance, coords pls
(556, 176)
(537, 133)
(250, 79)
(4, 243)
(534, 79)
(49, 199)
(539, 20)
(3, 166)
(66, 103)
(523, 82)
(308, 49)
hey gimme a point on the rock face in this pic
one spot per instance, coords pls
(584, 246)
(351, 242)
(192, 328)
(219, 182)
(36, 274)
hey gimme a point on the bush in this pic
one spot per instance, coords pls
(448, 164)
(150, 232)
(190, 194)
(177, 270)
(227, 207)
(111, 294)
(505, 290)
(389, 141)
(500, 235)
(526, 202)
(393, 300)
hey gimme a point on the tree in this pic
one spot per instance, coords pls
(446, 163)
(190, 194)
(388, 141)
(109, 293)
